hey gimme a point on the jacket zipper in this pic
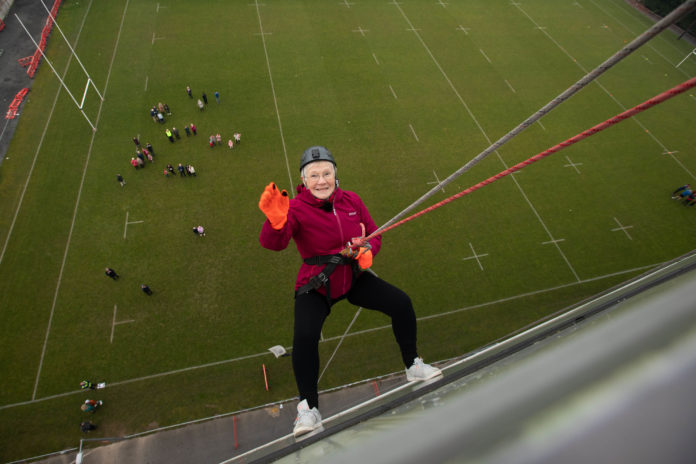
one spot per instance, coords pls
(340, 231)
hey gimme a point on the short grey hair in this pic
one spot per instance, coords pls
(305, 167)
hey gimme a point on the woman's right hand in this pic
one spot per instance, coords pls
(275, 205)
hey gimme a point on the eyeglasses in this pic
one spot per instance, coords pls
(314, 177)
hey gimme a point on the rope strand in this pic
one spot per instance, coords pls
(658, 27)
(666, 95)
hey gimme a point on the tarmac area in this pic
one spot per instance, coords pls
(15, 44)
(221, 439)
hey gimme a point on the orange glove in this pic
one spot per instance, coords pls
(275, 205)
(365, 258)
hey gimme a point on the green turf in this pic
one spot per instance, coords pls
(367, 98)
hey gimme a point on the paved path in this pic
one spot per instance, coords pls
(15, 44)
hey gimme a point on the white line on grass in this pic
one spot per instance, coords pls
(622, 228)
(77, 204)
(146, 80)
(485, 135)
(337, 337)
(437, 181)
(361, 31)
(510, 85)
(465, 30)
(275, 99)
(442, 4)
(485, 56)
(572, 165)
(648, 44)
(114, 323)
(623, 108)
(475, 256)
(41, 139)
(413, 131)
(346, 3)
(376, 60)
(125, 227)
(539, 122)
(393, 93)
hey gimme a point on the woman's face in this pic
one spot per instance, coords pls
(320, 179)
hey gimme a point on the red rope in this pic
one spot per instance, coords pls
(666, 95)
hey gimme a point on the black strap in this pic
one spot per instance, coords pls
(322, 279)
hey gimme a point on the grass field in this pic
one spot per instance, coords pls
(403, 95)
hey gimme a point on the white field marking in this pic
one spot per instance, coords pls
(275, 99)
(41, 139)
(648, 44)
(553, 241)
(413, 29)
(346, 3)
(572, 165)
(337, 337)
(155, 38)
(263, 33)
(667, 152)
(485, 135)
(442, 4)
(437, 181)
(623, 108)
(413, 131)
(542, 126)
(345, 332)
(114, 324)
(376, 60)
(160, 6)
(147, 78)
(393, 93)
(485, 56)
(510, 85)
(577, 4)
(622, 228)
(77, 202)
(465, 30)
(125, 227)
(475, 256)
(361, 30)
(647, 59)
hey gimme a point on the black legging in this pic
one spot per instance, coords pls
(311, 310)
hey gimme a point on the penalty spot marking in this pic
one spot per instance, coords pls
(475, 256)
(622, 228)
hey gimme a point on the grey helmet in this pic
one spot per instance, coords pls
(313, 154)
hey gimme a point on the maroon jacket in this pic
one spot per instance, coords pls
(321, 230)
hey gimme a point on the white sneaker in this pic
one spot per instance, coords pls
(308, 420)
(421, 371)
